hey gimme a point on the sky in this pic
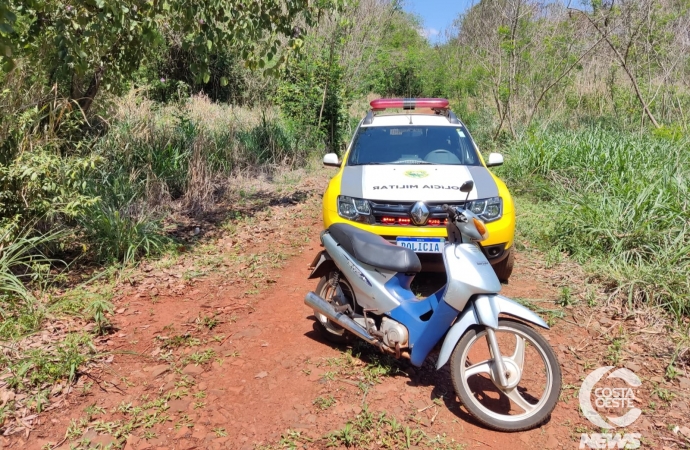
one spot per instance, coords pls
(437, 15)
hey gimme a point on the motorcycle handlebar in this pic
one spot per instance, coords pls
(453, 212)
(450, 210)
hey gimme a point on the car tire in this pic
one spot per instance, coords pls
(504, 268)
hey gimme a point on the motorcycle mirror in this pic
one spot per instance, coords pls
(467, 186)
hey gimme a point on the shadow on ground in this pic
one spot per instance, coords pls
(192, 229)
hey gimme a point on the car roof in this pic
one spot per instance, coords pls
(386, 120)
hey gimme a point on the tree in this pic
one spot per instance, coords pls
(493, 32)
(620, 27)
(531, 56)
(397, 65)
(359, 35)
(7, 19)
(85, 45)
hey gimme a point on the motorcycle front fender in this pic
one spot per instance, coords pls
(484, 310)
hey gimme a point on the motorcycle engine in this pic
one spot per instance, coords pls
(394, 332)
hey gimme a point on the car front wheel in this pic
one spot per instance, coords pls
(504, 268)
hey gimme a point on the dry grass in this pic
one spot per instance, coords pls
(214, 117)
(200, 185)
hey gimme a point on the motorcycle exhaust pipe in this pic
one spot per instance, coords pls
(320, 305)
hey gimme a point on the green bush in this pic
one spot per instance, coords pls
(40, 181)
(267, 143)
(169, 76)
(313, 100)
(153, 154)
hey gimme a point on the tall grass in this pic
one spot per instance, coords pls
(24, 268)
(619, 203)
(121, 236)
(154, 154)
(158, 141)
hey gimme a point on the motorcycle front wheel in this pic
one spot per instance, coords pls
(532, 372)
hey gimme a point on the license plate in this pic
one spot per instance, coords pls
(421, 245)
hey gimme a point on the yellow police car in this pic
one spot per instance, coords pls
(408, 158)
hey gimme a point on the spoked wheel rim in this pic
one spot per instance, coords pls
(327, 293)
(517, 397)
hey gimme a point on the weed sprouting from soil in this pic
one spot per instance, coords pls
(614, 350)
(361, 363)
(97, 309)
(566, 298)
(663, 394)
(39, 366)
(178, 341)
(367, 430)
(201, 357)
(208, 322)
(385, 431)
(324, 403)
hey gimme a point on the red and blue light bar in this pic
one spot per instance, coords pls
(406, 221)
(408, 103)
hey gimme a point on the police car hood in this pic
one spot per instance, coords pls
(416, 182)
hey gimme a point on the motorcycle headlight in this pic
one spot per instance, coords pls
(489, 209)
(355, 209)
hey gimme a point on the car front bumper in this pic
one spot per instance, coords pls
(496, 247)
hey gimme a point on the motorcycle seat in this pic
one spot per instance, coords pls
(374, 250)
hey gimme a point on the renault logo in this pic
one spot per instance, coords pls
(419, 213)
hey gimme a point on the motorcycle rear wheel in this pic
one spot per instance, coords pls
(329, 330)
(533, 388)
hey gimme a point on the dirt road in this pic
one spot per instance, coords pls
(222, 363)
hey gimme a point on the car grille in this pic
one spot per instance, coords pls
(401, 210)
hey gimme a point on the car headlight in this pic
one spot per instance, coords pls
(355, 209)
(489, 209)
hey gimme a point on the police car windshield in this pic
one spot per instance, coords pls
(413, 145)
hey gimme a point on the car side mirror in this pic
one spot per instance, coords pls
(467, 186)
(495, 159)
(331, 160)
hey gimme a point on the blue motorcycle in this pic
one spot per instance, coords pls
(504, 372)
